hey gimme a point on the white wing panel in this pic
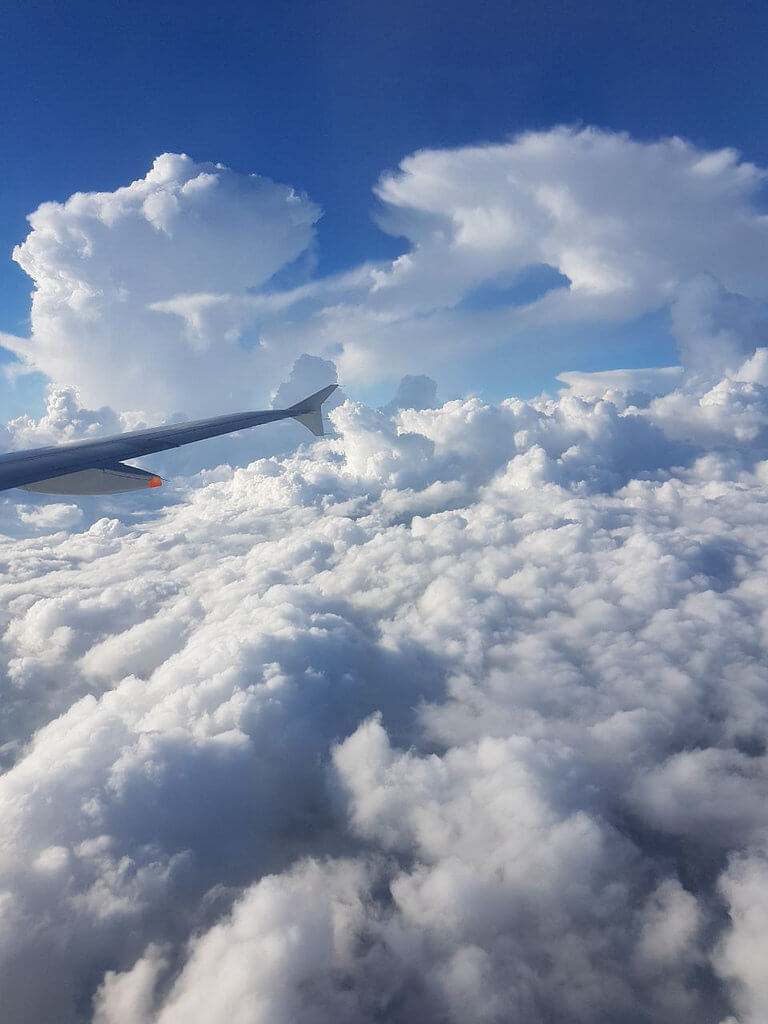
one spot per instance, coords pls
(113, 480)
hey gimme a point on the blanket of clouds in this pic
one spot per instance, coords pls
(458, 714)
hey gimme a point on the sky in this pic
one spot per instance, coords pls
(458, 713)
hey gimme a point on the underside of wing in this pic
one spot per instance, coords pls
(107, 480)
(97, 466)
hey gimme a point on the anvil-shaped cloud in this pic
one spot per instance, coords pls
(162, 295)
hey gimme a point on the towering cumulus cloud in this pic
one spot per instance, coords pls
(180, 278)
(458, 714)
(104, 263)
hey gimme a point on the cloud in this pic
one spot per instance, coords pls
(50, 517)
(414, 392)
(456, 714)
(622, 384)
(503, 244)
(299, 934)
(716, 330)
(744, 887)
(115, 257)
(622, 223)
(65, 419)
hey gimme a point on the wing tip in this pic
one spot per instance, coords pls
(309, 411)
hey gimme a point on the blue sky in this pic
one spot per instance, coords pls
(325, 96)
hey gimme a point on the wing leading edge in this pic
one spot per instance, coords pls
(95, 467)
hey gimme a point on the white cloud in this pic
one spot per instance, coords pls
(457, 714)
(716, 330)
(158, 296)
(457, 711)
(739, 958)
(50, 517)
(64, 419)
(626, 222)
(610, 213)
(102, 262)
(414, 392)
(619, 384)
(297, 933)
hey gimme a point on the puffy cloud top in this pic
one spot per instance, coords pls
(101, 261)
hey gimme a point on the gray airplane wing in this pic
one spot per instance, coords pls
(95, 467)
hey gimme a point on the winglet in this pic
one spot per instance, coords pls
(308, 411)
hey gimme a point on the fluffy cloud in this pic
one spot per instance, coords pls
(716, 329)
(65, 419)
(611, 214)
(744, 889)
(623, 385)
(458, 714)
(618, 224)
(162, 296)
(104, 263)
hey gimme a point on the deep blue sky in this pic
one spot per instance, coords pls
(325, 95)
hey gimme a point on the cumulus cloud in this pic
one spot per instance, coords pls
(413, 392)
(64, 419)
(610, 214)
(104, 263)
(175, 278)
(621, 224)
(458, 714)
(743, 886)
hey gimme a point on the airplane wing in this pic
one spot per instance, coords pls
(96, 467)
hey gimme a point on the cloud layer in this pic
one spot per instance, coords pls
(458, 715)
